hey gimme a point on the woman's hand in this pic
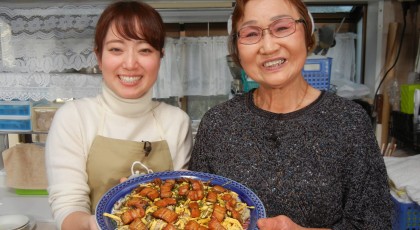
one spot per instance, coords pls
(79, 221)
(278, 223)
(92, 223)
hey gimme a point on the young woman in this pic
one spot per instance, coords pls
(93, 142)
(311, 156)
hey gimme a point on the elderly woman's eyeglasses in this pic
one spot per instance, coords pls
(280, 28)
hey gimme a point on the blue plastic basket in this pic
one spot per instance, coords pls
(15, 124)
(247, 82)
(316, 71)
(15, 108)
(407, 216)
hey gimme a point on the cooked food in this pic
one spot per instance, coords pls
(183, 203)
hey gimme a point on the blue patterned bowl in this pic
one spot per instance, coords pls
(106, 203)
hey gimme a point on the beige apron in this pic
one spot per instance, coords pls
(111, 159)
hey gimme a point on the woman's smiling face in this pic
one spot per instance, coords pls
(129, 67)
(273, 62)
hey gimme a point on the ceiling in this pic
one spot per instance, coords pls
(188, 11)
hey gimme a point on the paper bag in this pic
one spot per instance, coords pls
(25, 167)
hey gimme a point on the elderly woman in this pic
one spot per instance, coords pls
(311, 156)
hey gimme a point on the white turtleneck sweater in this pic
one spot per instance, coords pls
(75, 126)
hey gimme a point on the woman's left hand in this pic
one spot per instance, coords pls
(278, 223)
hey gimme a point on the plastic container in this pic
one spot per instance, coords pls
(28, 192)
(407, 98)
(316, 71)
(407, 216)
(247, 82)
(42, 118)
(15, 124)
(15, 108)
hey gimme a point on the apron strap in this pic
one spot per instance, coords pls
(135, 173)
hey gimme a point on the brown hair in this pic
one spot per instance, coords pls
(133, 20)
(238, 14)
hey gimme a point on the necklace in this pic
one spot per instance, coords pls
(304, 95)
(257, 98)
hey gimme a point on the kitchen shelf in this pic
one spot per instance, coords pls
(17, 132)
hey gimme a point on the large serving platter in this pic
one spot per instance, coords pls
(116, 193)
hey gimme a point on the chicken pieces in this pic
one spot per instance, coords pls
(184, 203)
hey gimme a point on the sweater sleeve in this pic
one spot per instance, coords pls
(202, 146)
(367, 202)
(66, 165)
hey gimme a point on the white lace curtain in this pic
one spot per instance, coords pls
(344, 57)
(43, 50)
(194, 66)
(54, 39)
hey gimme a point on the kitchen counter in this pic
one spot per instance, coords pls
(404, 152)
(35, 207)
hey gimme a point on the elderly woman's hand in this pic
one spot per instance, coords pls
(278, 223)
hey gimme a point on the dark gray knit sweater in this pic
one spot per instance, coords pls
(321, 165)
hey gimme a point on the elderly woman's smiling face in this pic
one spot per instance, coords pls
(272, 61)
